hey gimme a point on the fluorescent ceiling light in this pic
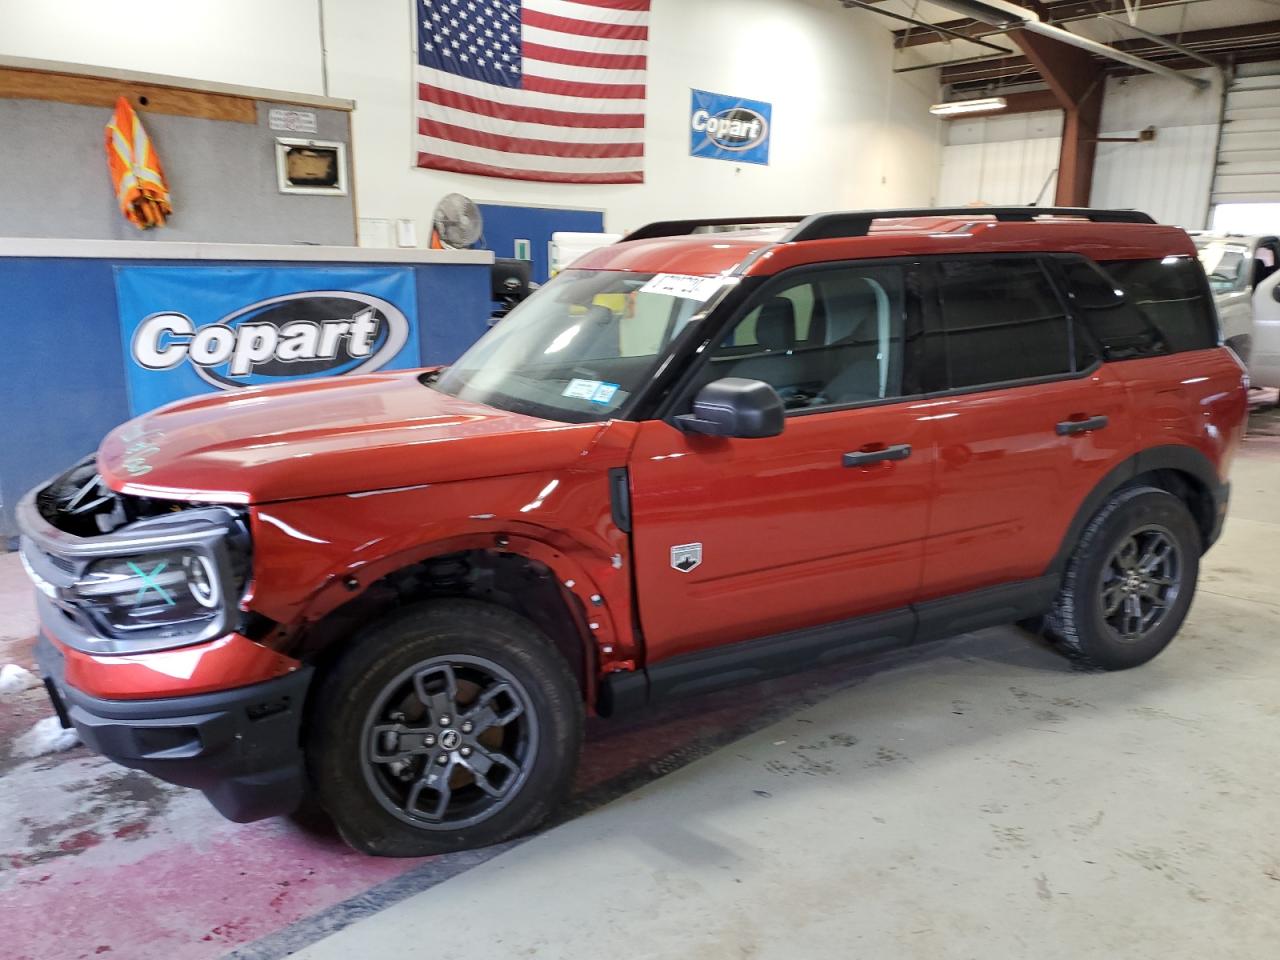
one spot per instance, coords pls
(956, 107)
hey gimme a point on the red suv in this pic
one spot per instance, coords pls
(695, 458)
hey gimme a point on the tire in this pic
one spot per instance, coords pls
(395, 703)
(1086, 623)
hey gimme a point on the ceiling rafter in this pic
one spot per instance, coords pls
(1244, 43)
(1056, 13)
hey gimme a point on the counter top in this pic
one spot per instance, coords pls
(45, 247)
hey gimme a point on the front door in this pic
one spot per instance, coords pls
(741, 538)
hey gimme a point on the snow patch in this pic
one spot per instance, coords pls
(15, 679)
(47, 736)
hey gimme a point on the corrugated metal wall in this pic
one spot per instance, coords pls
(1011, 172)
(1168, 177)
(1007, 159)
(1249, 155)
(1001, 160)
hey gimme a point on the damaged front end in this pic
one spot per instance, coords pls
(125, 585)
(120, 574)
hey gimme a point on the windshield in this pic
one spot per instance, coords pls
(580, 346)
(1225, 263)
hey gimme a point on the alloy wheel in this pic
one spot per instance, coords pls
(1140, 582)
(449, 742)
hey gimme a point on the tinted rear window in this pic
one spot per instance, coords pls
(1166, 309)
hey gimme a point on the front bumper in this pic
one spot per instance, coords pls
(241, 747)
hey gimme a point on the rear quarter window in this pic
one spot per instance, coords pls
(1166, 309)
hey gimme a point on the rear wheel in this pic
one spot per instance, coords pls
(1130, 582)
(453, 724)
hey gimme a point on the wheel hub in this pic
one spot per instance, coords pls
(1140, 582)
(451, 739)
(449, 742)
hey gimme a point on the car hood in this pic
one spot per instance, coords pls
(324, 437)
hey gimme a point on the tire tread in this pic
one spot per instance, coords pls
(342, 792)
(1065, 625)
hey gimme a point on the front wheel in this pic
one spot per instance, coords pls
(1130, 582)
(453, 724)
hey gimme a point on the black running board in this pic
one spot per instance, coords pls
(796, 650)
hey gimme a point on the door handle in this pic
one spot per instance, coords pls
(1067, 427)
(862, 458)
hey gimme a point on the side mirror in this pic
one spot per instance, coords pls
(1275, 294)
(735, 407)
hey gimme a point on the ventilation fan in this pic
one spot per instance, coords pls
(457, 223)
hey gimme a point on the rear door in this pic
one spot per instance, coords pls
(1026, 421)
(1163, 344)
(741, 538)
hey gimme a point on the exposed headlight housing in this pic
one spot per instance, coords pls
(157, 575)
(170, 591)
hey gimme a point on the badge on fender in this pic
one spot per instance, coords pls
(686, 556)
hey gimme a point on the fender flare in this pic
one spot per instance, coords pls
(1176, 457)
(606, 646)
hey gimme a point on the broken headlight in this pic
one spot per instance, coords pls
(168, 592)
(160, 574)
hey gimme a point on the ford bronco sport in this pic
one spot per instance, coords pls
(695, 458)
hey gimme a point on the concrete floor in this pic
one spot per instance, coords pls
(978, 798)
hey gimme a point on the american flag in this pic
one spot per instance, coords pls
(533, 89)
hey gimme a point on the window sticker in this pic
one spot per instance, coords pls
(604, 393)
(685, 287)
(581, 389)
(597, 391)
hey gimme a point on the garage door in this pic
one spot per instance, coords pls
(1249, 153)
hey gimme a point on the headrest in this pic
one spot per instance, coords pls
(776, 325)
(849, 309)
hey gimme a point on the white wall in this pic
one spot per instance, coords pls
(847, 131)
(1010, 159)
(1170, 176)
(258, 43)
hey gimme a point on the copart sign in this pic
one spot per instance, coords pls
(189, 330)
(729, 128)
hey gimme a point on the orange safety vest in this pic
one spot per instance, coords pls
(135, 169)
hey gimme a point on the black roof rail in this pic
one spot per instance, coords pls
(680, 228)
(857, 223)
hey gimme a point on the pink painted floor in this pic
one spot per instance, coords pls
(99, 862)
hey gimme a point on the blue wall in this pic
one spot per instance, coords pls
(503, 225)
(62, 374)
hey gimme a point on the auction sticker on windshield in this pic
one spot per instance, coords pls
(683, 286)
(597, 391)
